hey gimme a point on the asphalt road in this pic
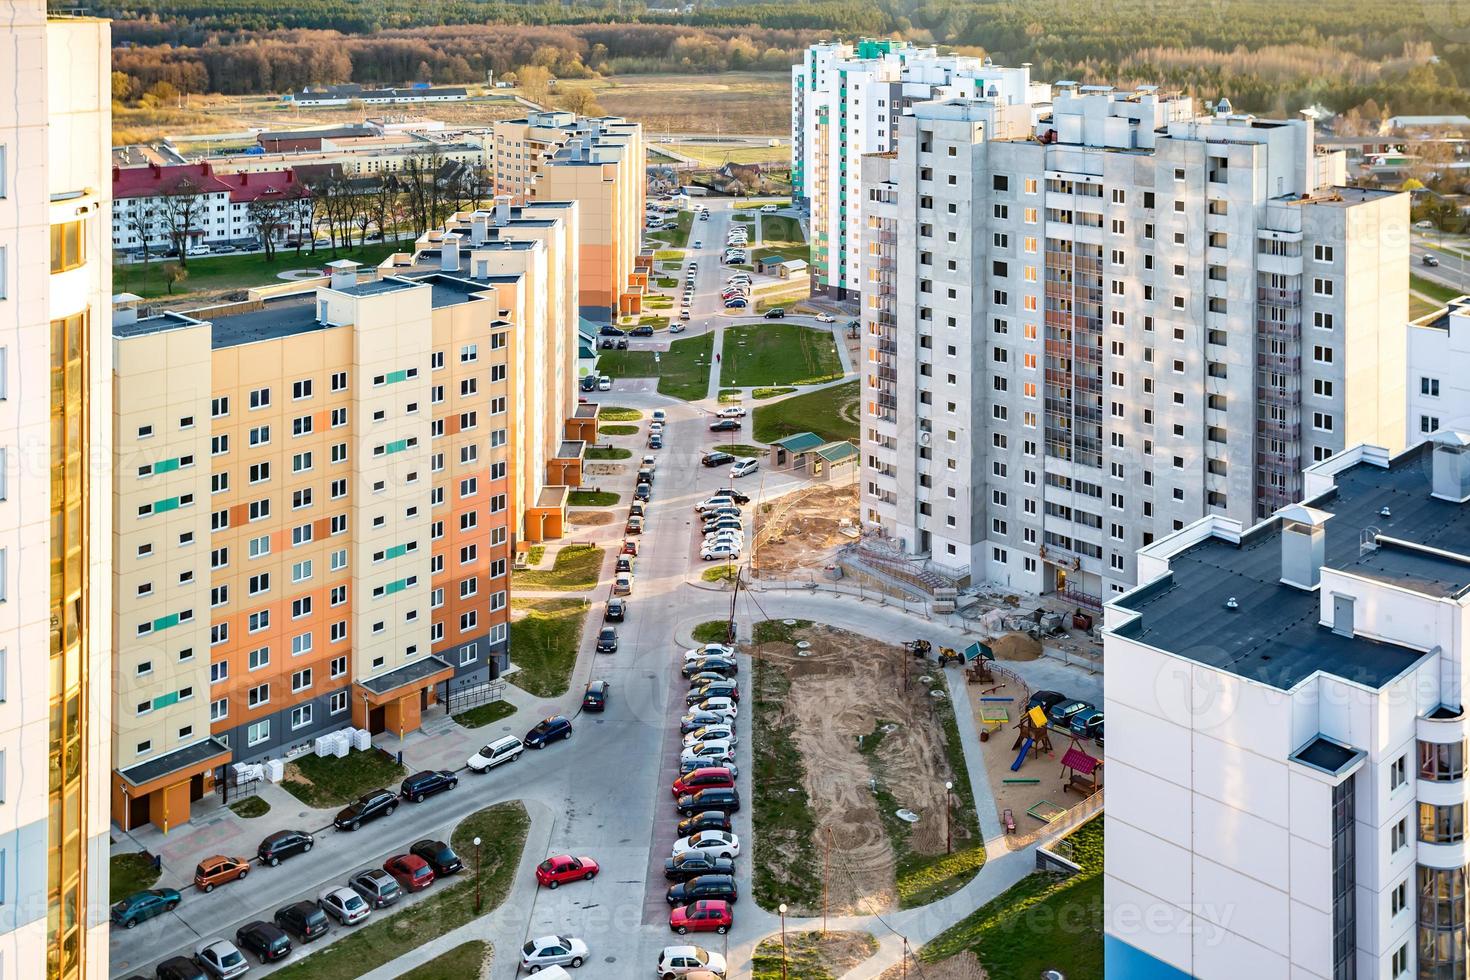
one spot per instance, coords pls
(1453, 270)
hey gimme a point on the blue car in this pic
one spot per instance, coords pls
(555, 727)
(142, 906)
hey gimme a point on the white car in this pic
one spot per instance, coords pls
(745, 467)
(221, 959)
(546, 951)
(715, 843)
(769, 209)
(708, 733)
(650, 462)
(710, 503)
(659, 415)
(507, 749)
(710, 650)
(720, 551)
(696, 244)
(604, 383)
(677, 961)
(716, 754)
(718, 706)
(735, 544)
(344, 905)
(731, 412)
(826, 318)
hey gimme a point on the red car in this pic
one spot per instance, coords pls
(710, 777)
(411, 872)
(555, 870)
(710, 915)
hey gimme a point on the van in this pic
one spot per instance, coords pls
(504, 749)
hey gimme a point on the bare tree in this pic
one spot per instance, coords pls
(384, 204)
(269, 213)
(181, 203)
(140, 219)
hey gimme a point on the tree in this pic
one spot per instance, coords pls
(173, 274)
(271, 213)
(181, 202)
(125, 87)
(581, 101)
(139, 217)
(385, 203)
(534, 81)
(162, 94)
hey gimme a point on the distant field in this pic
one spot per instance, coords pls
(715, 155)
(725, 102)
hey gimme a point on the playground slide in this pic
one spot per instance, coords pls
(1021, 756)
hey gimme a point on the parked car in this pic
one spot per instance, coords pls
(546, 951)
(604, 383)
(555, 870)
(142, 906)
(616, 610)
(735, 304)
(720, 705)
(438, 855)
(427, 783)
(725, 798)
(218, 870)
(708, 777)
(745, 467)
(768, 209)
(595, 697)
(180, 968)
(623, 584)
(1087, 723)
(731, 412)
(720, 843)
(588, 382)
(720, 551)
(630, 547)
(413, 874)
(282, 844)
(505, 749)
(711, 915)
(721, 886)
(729, 510)
(377, 887)
(644, 491)
(725, 425)
(709, 820)
(775, 313)
(710, 503)
(1061, 713)
(608, 330)
(555, 727)
(344, 905)
(715, 689)
(642, 330)
(221, 959)
(722, 523)
(682, 961)
(717, 459)
(693, 721)
(607, 640)
(635, 524)
(367, 808)
(826, 318)
(710, 650)
(711, 753)
(304, 920)
(716, 665)
(1044, 700)
(679, 327)
(1430, 260)
(266, 940)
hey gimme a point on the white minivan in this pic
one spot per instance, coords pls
(745, 467)
(505, 749)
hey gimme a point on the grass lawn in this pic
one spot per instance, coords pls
(250, 807)
(682, 370)
(771, 392)
(711, 631)
(1421, 307)
(485, 714)
(326, 781)
(781, 228)
(718, 156)
(617, 430)
(778, 354)
(618, 413)
(463, 960)
(535, 553)
(575, 569)
(656, 322)
(608, 452)
(744, 449)
(785, 849)
(1440, 294)
(543, 643)
(592, 498)
(239, 271)
(668, 255)
(786, 251)
(721, 573)
(806, 956)
(502, 830)
(677, 236)
(1043, 922)
(831, 413)
(731, 395)
(130, 873)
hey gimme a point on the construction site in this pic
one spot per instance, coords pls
(803, 532)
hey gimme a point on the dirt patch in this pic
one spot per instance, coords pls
(1015, 647)
(804, 530)
(590, 518)
(810, 954)
(843, 688)
(605, 469)
(961, 967)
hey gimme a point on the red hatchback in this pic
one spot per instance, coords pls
(411, 872)
(710, 915)
(555, 870)
(710, 777)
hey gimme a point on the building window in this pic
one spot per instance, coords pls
(1344, 881)
(300, 716)
(68, 245)
(337, 703)
(258, 732)
(1442, 931)
(1441, 824)
(1398, 772)
(1440, 762)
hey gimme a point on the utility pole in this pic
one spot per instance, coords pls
(948, 838)
(826, 870)
(905, 960)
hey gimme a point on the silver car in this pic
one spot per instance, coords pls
(553, 951)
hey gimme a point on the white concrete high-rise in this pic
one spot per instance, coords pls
(55, 512)
(1087, 332)
(1439, 371)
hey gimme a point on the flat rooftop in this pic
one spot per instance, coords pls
(1273, 636)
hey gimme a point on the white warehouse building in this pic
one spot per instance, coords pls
(1286, 768)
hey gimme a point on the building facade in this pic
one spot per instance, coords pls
(1285, 703)
(55, 522)
(1087, 332)
(153, 204)
(846, 101)
(1439, 372)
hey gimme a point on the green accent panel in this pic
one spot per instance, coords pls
(397, 586)
(394, 377)
(397, 551)
(164, 700)
(164, 622)
(166, 504)
(166, 465)
(396, 446)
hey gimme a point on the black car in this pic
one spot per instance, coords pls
(696, 863)
(616, 611)
(713, 689)
(282, 844)
(427, 783)
(643, 492)
(704, 887)
(720, 666)
(438, 855)
(740, 498)
(589, 383)
(642, 330)
(776, 313)
(710, 820)
(698, 677)
(611, 343)
(595, 697)
(180, 968)
(268, 942)
(368, 807)
(609, 330)
(699, 719)
(726, 799)
(725, 425)
(1045, 700)
(625, 564)
(557, 726)
(717, 459)
(645, 475)
(607, 640)
(304, 920)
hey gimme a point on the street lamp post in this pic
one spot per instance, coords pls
(477, 876)
(782, 909)
(948, 839)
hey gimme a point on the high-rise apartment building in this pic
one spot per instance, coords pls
(319, 492)
(1083, 333)
(1286, 733)
(1439, 371)
(598, 163)
(55, 524)
(846, 100)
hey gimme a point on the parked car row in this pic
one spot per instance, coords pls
(1081, 718)
(723, 525)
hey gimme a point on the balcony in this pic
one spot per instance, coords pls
(1278, 297)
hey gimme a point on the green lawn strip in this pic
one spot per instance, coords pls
(250, 807)
(543, 644)
(1421, 307)
(1046, 921)
(682, 370)
(485, 714)
(781, 228)
(608, 452)
(656, 322)
(130, 873)
(449, 905)
(238, 271)
(785, 250)
(463, 961)
(675, 237)
(712, 631)
(327, 781)
(668, 255)
(666, 282)
(720, 573)
(617, 430)
(771, 392)
(804, 958)
(744, 449)
(785, 849)
(778, 354)
(535, 553)
(776, 630)
(576, 567)
(592, 498)
(816, 411)
(731, 395)
(618, 413)
(1433, 290)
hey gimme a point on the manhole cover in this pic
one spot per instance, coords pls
(789, 622)
(907, 816)
(803, 644)
(936, 693)
(889, 729)
(803, 653)
(925, 678)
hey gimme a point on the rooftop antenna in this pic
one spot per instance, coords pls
(1368, 540)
